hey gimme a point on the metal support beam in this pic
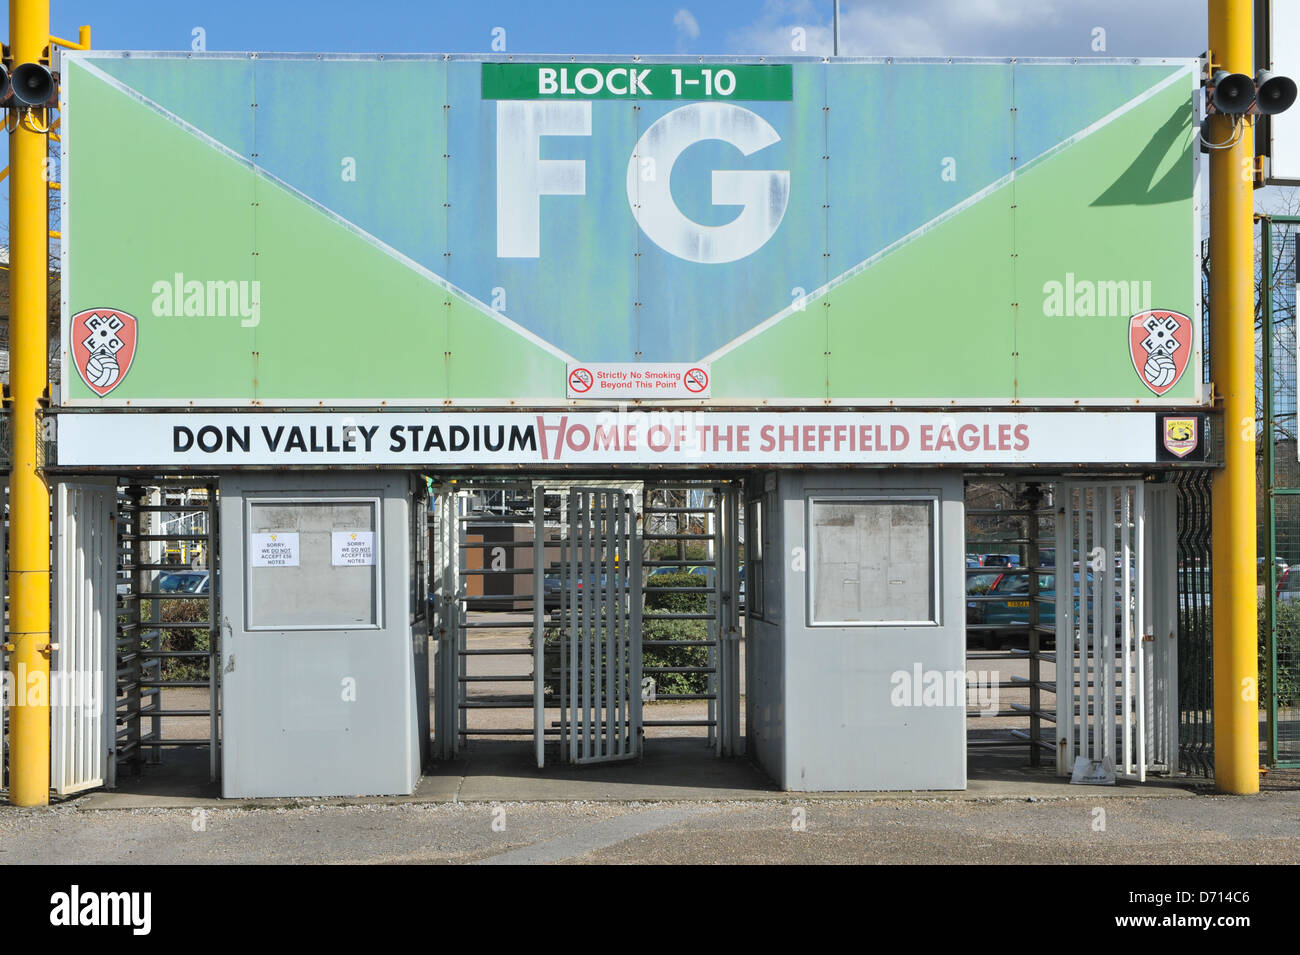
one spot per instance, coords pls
(539, 625)
(29, 497)
(1033, 501)
(1232, 338)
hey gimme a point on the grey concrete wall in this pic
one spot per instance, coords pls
(289, 729)
(848, 719)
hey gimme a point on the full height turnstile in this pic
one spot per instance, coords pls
(1116, 628)
(579, 624)
(580, 629)
(599, 630)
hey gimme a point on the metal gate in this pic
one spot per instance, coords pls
(693, 528)
(443, 588)
(578, 619)
(1008, 599)
(1116, 628)
(582, 614)
(465, 557)
(600, 629)
(82, 670)
(168, 638)
(4, 645)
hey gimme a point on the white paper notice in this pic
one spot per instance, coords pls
(275, 550)
(354, 548)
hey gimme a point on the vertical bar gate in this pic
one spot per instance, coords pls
(82, 668)
(600, 637)
(445, 568)
(1116, 628)
(584, 629)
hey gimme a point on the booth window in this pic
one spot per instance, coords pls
(872, 561)
(313, 564)
(755, 531)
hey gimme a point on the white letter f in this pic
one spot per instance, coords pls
(523, 177)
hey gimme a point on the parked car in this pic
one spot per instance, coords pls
(1013, 605)
(551, 590)
(183, 582)
(980, 583)
(1282, 570)
(551, 587)
(999, 560)
(1288, 589)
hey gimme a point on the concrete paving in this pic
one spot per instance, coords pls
(1084, 829)
(673, 770)
(678, 764)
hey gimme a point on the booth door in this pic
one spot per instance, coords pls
(319, 688)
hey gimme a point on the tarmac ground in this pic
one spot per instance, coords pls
(679, 803)
(1111, 825)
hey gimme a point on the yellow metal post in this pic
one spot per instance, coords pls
(1232, 341)
(29, 498)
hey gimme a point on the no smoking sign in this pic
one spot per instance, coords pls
(580, 381)
(640, 381)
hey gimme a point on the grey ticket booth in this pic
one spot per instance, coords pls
(856, 630)
(324, 666)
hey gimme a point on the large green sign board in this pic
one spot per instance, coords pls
(429, 231)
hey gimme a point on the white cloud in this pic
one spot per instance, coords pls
(979, 28)
(688, 28)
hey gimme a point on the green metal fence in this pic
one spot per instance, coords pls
(1279, 481)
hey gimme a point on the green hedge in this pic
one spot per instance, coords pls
(187, 610)
(1288, 655)
(670, 683)
(684, 630)
(1194, 670)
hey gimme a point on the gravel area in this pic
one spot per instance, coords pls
(1205, 829)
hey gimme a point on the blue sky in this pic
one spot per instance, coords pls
(402, 26)
(869, 27)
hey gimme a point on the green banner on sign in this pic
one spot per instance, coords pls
(687, 81)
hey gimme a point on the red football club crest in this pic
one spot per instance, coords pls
(103, 344)
(1160, 344)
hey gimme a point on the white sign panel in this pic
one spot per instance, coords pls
(274, 550)
(353, 548)
(638, 380)
(559, 439)
(1284, 42)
